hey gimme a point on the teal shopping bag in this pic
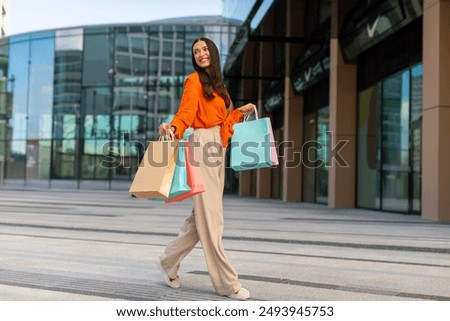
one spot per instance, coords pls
(253, 145)
(179, 182)
(194, 177)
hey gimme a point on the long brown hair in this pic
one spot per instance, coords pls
(211, 77)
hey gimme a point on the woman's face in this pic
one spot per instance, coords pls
(201, 54)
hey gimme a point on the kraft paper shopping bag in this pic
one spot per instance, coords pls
(154, 176)
(179, 182)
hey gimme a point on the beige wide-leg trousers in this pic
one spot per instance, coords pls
(206, 223)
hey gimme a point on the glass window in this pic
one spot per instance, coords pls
(325, 10)
(65, 126)
(130, 64)
(130, 112)
(139, 66)
(164, 102)
(416, 137)
(64, 158)
(97, 100)
(167, 48)
(322, 155)
(167, 32)
(15, 166)
(153, 67)
(97, 105)
(238, 10)
(368, 195)
(179, 68)
(395, 142)
(179, 49)
(122, 43)
(139, 45)
(123, 66)
(315, 156)
(166, 67)
(44, 156)
(98, 67)
(309, 157)
(416, 92)
(261, 13)
(154, 47)
(69, 39)
(389, 143)
(19, 55)
(66, 103)
(129, 98)
(92, 168)
(317, 13)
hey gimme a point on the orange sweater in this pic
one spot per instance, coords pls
(197, 111)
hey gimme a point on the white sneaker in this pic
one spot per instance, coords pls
(242, 295)
(173, 283)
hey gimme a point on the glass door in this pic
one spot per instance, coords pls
(389, 143)
(395, 143)
(309, 157)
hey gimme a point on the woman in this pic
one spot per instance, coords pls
(206, 107)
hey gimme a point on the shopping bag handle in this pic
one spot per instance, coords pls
(246, 117)
(169, 137)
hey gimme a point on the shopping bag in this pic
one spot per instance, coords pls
(253, 145)
(194, 177)
(154, 176)
(179, 182)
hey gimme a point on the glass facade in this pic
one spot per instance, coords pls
(389, 143)
(385, 160)
(84, 101)
(241, 10)
(315, 156)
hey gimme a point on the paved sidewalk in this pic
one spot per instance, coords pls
(63, 244)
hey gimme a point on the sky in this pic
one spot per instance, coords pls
(33, 15)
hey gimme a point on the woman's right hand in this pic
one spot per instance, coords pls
(165, 129)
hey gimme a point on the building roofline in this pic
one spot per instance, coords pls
(190, 20)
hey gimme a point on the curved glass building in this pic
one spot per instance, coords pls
(79, 104)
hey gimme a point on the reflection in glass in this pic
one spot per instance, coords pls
(18, 66)
(41, 92)
(322, 156)
(416, 137)
(97, 57)
(309, 157)
(368, 178)
(66, 102)
(315, 156)
(389, 143)
(395, 142)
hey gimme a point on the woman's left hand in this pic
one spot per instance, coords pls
(247, 109)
